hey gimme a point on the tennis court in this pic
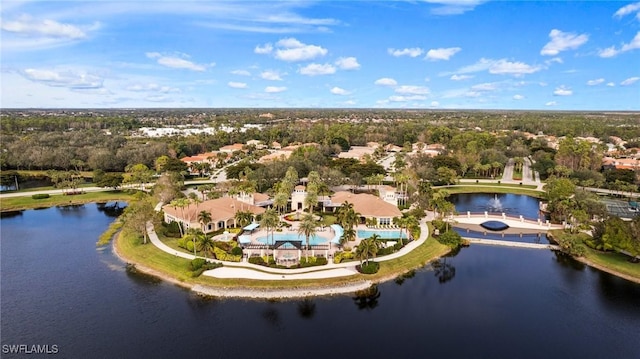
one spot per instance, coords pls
(621, 208)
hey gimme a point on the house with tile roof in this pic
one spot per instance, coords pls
(222, 210)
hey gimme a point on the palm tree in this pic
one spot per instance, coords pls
(243, 218)
(196, 237)
(280, 201)
(180, 203)
(368, 247)
(269, 222)
(308, 229)
(349, 234)
(206, 244)
(204, 217)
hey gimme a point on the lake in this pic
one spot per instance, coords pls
(484, 302)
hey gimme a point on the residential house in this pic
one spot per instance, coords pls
(222, 210)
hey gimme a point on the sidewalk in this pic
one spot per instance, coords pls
(254, 271)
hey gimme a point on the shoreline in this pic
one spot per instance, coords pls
(607, 270)
(249, 293)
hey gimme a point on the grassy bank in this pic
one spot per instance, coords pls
(26, 202)
(616, 262)
(132, 250)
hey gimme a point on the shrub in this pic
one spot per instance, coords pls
(450, 238)
(170, 230)
(439, 224)
(197, 263)
(203, 267)
(236, 251)
(369, 268)
(312, 261)
(342, 256)
(189, 246)
(225, 246)
(257, 260)
(40, 196)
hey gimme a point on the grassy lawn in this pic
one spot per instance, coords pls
(481, 188)
(148, 255)
(517, 175)
(615, 261)
(20, 203)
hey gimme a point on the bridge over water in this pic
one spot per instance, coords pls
(495, 242)
(512, 221)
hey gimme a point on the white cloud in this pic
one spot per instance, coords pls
(551, 103)
(442, 53)
(518, 97)
(453, 7)
(347, 63)
(271, 75)
(487, 86)
(350, 102)
(317, 69)
(611, 84)
(554, 59)
(274, 89)
(628, 9)
(562, 41)
(411, 52)
(434, 104)
(151, 87)
(292, 50)
(504, 67)
(595, 82)
(26, 25)
(612, 51)
(396, 98)
(264, 49)
(64, 78)
(386, 81)
(608, 52)
(412, 90)
(339, 91)
(241, 72)
(177, 62)
(562, 91)
(237, 85)
(460, 77)
(629, 81)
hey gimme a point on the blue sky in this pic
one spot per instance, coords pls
(451, 54)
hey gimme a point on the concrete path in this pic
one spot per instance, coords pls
(494, 242)
(254, 271)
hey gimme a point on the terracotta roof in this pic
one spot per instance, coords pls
(367, 205)
(221, 209)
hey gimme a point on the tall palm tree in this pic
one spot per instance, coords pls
(206, 244)
(269, 222)
(180, 203)
(280, 201)
(204, 217)
(368, 247)
(308, 229)
(349, 234)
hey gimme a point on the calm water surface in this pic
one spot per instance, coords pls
(486, 302)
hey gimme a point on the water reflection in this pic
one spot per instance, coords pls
(443, 268)
(307, 308)
(10, 214)
(272, 317)
(112, 209)
(567, 261)
(367, 298)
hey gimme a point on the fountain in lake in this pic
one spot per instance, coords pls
(495, 205)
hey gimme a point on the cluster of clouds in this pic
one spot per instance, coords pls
(293, 50)
(432, 55)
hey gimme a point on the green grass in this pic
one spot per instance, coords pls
(26, 202)
(106, 236)
(614, 261)
(517, 175)
(132, 249)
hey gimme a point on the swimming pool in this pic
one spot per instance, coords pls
(384, 234)
(313, 240)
